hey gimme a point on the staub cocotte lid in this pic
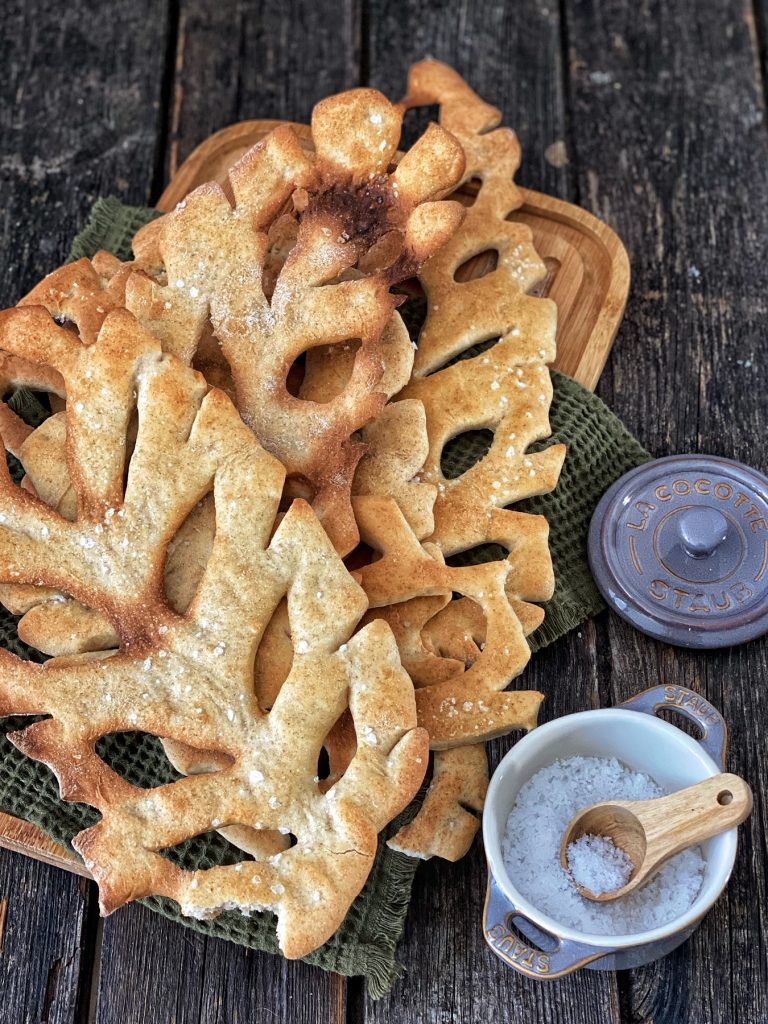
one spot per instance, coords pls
(679, 548)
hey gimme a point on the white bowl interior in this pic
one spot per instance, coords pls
(640, 741)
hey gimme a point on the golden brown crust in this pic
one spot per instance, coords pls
(188, 677)
(307, 232)
(449, 818)
(408, 621)
(397, 447)
(13, 429)
(466, 707)
(265, 316)
(396, 442)
(458, 630)
(507, 388)
(82, 293)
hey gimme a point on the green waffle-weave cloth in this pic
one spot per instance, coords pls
(600, 450)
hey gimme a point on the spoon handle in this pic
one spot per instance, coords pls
(675, 822)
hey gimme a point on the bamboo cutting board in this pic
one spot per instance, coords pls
(588, 279)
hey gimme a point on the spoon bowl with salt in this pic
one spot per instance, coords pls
(628, 841)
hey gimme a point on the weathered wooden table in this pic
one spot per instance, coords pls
(652, 115)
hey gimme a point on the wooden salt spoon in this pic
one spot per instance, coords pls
(652, 831)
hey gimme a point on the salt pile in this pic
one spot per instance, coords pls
(598, 864)
(531, 850)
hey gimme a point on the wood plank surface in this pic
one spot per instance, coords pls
(23, 837)
(154, 971)
(669, 145)
(77, 120)
(47, 932)
(237, 61)
(652, 116)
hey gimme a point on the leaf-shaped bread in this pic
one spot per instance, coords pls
(490, 390)
(189, 676)
(360, 229)
(504, 388)
(467, 706)
(299, 252)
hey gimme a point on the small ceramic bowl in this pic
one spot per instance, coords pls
(645, 743)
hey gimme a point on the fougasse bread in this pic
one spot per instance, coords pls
(297, 255)
(190, 676)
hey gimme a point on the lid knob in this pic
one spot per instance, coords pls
(679, 547)
(702, 531)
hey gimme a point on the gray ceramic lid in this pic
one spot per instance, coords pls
(679, 548)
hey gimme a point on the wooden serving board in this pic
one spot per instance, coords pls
(588, 264)
(588, 278)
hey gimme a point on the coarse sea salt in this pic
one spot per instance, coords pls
(531, 850)
(597, 864)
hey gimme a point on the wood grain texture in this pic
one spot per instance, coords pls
(667, 114)
(23, 837)
(78, 119)
(45, 945)
(156, 972)
(240, 60)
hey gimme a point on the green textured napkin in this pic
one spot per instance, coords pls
(599, 450)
